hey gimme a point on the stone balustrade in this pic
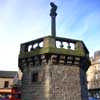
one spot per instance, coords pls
(53, 45)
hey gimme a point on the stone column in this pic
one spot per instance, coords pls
(53, 15)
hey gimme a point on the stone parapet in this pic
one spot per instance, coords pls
(48, 45)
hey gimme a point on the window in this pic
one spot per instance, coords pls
(6, 84)
(97, 76)
(34, 77)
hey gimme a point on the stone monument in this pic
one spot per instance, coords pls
(52, 72)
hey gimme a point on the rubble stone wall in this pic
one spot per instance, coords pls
(65, 83)
(55, 82)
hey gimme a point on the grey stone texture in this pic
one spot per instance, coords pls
(54, 82)
(65, 83)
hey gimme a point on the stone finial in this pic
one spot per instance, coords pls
(53, 9)
(53, 15)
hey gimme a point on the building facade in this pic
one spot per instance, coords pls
(93, 76)
(6, 82)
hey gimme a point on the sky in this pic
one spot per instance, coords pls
(26, 20)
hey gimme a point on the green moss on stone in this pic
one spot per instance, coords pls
(51, 50)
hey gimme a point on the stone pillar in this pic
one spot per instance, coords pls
(49, 42)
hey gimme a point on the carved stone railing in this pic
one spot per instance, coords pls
(51, 45)
(30, 46)
(59, 50)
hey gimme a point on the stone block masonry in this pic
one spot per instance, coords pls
(65, 83)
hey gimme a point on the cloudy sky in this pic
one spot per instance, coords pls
(25, 20)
